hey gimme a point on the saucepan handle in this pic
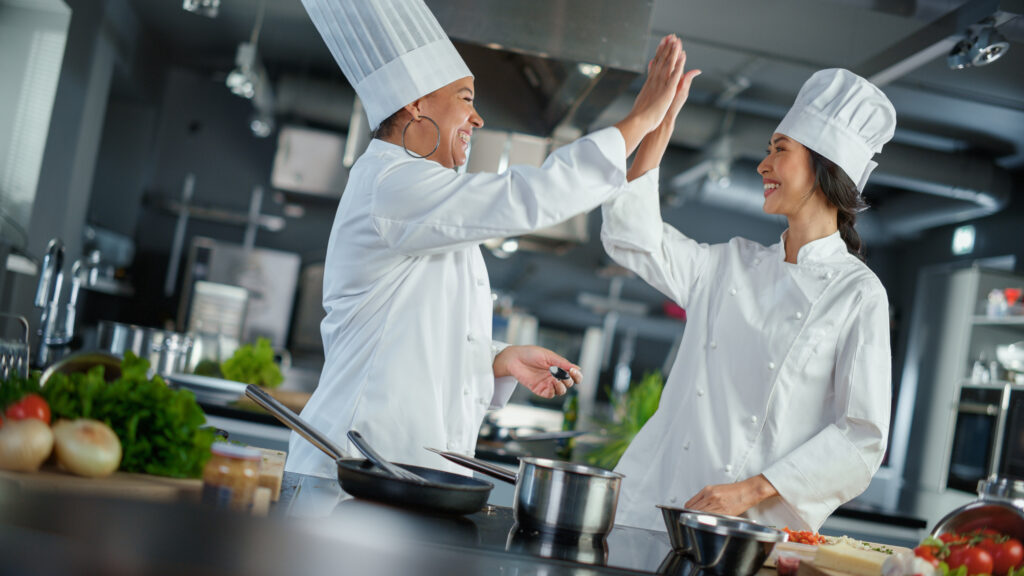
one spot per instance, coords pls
(479, 466)
(295, 422)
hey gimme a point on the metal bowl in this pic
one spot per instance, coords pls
(1001, 516)
(677, 535)
(83, 362)
(729, 546)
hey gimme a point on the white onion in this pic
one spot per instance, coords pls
(24, 444)
(86, 447)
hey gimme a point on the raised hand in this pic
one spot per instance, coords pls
(663, 77)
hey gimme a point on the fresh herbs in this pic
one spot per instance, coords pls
(159, 427)
(253, 365)
(634, 411)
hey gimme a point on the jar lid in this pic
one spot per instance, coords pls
(235, 451)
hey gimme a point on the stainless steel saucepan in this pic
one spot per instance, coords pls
(555, 496)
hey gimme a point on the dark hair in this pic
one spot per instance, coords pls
(387, 126)
(841, 192)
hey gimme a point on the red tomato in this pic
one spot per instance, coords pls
(1007, 555)
(949, 537)
(30, 406)
(927, 553)
(977, 560)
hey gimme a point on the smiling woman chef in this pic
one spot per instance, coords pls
(777, 406)
(409, 357)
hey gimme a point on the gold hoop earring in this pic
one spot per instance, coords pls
(436, 142)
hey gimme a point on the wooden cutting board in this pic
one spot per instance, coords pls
(294, 400)
(137, 486)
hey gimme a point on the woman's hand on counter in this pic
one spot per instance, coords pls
(531, 367)
(733, 499)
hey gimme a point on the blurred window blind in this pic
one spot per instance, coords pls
(19, 173)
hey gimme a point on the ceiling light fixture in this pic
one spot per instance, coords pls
(206, 8)
(981, 45)
(248, 70)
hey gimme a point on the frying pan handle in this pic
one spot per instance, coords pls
(478, 465)
(295, 422)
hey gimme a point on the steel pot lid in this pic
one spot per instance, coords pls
(725, 526)
(571, 467)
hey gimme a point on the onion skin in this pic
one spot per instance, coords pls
(25, 445)
(86, 447)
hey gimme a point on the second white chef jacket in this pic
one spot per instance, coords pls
(783, 370)
(407, 336)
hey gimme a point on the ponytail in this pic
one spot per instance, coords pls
(841, 192)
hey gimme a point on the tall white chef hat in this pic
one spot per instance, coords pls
(844, 118)
(391, 51)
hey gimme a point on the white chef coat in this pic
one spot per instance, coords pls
(407, 336)
(783, 370)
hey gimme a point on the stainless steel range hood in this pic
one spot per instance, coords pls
(545, 64)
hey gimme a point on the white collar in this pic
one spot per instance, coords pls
(815, 250)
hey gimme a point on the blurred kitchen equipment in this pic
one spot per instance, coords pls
(445, 493)
(53, 339)
(1002, 489)
(364, 447)
(167, 352)
(729, 546)
(118, 338)
(14, 352)
(268, 276)
(309, 311)
(83, 362)
(218, 309)
(677, 535)
(554, 496)
(987, 435)
(173, 351)
(1011, 356)
(493, 431)
(208, 390)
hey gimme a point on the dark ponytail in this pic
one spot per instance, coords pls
(841, 192)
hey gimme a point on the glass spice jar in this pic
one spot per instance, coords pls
(231, 477)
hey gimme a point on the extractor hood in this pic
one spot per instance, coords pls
(545, 64)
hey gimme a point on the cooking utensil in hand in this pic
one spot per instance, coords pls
(559, 374)
(445, 492)
(555, 496)
(14, 354)
(363, 446)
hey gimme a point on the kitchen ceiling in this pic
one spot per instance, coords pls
(961, 133)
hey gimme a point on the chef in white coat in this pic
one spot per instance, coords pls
(409, 357)
(777, 406)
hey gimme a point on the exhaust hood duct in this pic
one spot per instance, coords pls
(545, 64)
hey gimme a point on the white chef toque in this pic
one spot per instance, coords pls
(391, 51)
(844, 118)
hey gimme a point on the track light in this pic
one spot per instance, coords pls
(980, 47)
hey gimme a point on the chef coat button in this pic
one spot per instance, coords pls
(830, 275)
(771, 365)
(686, 446)
(757, 261)
(465, 391)
(469, 337)
(700, 391)
(799, 315)
(753, 419)
(714, 344)
(479, 281)
(732, 291)
(728, 468)
(673, 499)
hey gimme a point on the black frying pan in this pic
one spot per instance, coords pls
(444, 493)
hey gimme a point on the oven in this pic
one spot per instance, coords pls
(988, 436)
